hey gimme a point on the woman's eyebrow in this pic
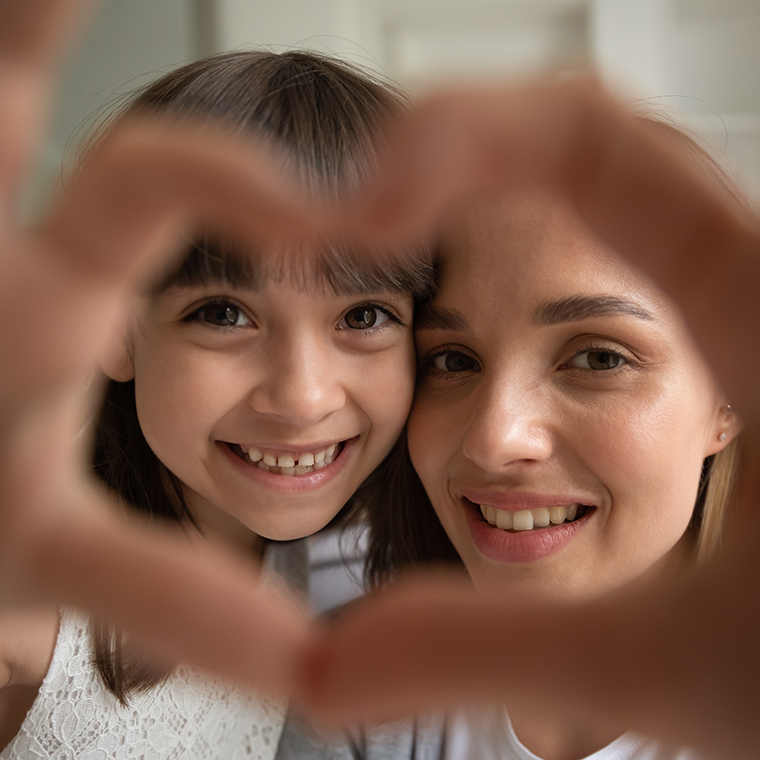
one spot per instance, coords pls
(432, 318)
(576, 308)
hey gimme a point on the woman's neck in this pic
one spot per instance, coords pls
(563, 739)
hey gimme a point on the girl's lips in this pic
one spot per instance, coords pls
(289, 483)
(523, 546)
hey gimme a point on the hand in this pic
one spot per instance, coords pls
(63, 288)
(678, 661)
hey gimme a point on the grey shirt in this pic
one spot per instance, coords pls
(422, 739)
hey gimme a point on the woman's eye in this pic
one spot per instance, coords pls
(454, 361)
(364, 317)
(598, 360)
(223, 315)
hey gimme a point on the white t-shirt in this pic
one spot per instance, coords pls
(485, 737)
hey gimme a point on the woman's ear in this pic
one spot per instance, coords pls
(116, 357)
(726, 427)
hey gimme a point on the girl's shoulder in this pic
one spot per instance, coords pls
(27, 642)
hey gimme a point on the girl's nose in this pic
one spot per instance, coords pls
(299, 385)
(508, 426)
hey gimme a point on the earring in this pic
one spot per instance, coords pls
(722, 437)
(727, 409)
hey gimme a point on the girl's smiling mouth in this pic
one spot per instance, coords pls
(289, 464)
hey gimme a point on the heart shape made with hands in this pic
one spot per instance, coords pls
(430, 642)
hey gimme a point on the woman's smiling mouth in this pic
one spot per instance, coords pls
(542, 527)
(532, 519)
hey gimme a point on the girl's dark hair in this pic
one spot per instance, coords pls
(404, 530)
(330, 121)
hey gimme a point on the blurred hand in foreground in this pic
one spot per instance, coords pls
(430, 642)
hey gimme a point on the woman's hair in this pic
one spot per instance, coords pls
(405, 532)
(329, 121)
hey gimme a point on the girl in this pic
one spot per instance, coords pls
(251, 395)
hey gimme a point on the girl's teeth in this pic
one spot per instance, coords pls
(288, 465)
(528, 519)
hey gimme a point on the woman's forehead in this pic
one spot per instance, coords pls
(530, 251)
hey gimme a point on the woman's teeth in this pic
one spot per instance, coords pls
(290, 465)
(528, 519)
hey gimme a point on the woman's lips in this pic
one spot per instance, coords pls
(525, 535)
(311, 477)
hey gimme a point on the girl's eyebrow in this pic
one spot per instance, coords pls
(576, 308)
(430, 317)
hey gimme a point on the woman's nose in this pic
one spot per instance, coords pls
(300, 384)
(508, 426)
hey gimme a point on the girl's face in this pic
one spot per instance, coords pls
(270, 405)
(562, 414)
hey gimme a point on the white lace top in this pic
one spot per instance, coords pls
(189, 717)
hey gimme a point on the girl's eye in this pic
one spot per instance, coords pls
(364, 318)
(454, 361)
(598, 360)
(222, 314)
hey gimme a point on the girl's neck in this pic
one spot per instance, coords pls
(214, 525)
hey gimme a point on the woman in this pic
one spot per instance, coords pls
(569, 436)
(564, 428)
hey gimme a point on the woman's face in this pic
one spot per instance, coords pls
(561, 395)
(271, 405)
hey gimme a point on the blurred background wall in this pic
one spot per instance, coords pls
(699, 57)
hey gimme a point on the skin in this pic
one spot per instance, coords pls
(611, 407)
(296, 370)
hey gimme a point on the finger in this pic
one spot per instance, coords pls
(36, 32)
(678, 664)
(64, 288)
(201, 606)
(635, 188)
(33, 37)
